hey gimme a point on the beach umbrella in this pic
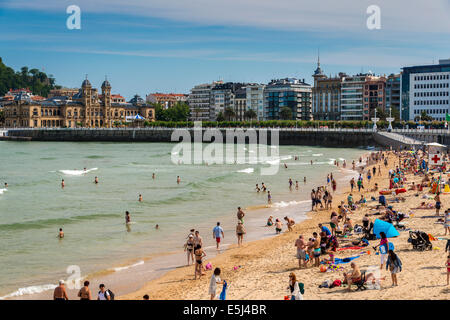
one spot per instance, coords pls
(386, 227)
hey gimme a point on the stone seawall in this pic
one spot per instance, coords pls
(286, 137)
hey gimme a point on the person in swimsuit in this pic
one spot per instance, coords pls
(296, 185)
(199, 254)
(437, 198)
(62, 184)
(60, 292)
(178, 179)
(127, 217)
(189, 249)
(270, 221)
(140, 198)
(352, 277)
(240, 231)
(218, 234)
(61, 233)
(304, 180)
(85, 292)
(290, 184)
(289, 222)
(153, 176)
(198, 240)
(333, 185)
(317, 250)
(269, 198)
(96, 180)
(278, 226)
(257, 188)
(263, 187)
(240, 215)
(301, 253)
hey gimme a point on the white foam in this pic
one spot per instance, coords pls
(317, 154)
(248, 170)
(283, 204)
(273, 147)
(128, 267)
(29, 290)
(76, 172)
(3, 190)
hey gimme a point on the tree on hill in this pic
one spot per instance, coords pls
(37, 81)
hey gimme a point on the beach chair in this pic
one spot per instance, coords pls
(361, 284)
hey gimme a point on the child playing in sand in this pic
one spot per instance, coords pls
(270, 221)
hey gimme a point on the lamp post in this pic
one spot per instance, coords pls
(375, 120)
(390, 120)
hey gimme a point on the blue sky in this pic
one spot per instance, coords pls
(171, 45)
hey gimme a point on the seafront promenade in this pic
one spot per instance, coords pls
(330, 137)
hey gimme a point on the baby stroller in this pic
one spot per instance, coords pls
(420, 240)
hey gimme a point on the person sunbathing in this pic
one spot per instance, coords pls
(425, 205)
(413, 187)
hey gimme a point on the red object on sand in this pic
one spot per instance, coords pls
(401, 190)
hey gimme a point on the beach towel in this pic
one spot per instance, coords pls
(223, 294)
(349, 248)
(345, 260)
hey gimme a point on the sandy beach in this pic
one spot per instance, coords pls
(266, 264)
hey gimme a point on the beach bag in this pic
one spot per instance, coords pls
(301, 286)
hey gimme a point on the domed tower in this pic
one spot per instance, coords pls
(86, 99)
(106, 101)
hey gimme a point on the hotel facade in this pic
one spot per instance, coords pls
(84, 109)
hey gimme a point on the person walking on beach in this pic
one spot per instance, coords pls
(218, 234)
(240, 231)
(384, 249)
(103, 294)
(198, 240)
(61, 233)
(333, 185)
(215, 280)
(395, 266)
(199, 255)
(313, 200)
(60, 292)
(269, 198)
(240, 215)
(85, 292)
(352, 184)
(189, 249)
(301, 253)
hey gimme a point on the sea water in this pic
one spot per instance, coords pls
(34, 206)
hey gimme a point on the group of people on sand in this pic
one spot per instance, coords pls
(60, 292)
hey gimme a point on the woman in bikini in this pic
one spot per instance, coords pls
(199, 254)
(189, 248)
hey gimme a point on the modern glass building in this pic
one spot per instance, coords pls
(289, 92)
(425, 89)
